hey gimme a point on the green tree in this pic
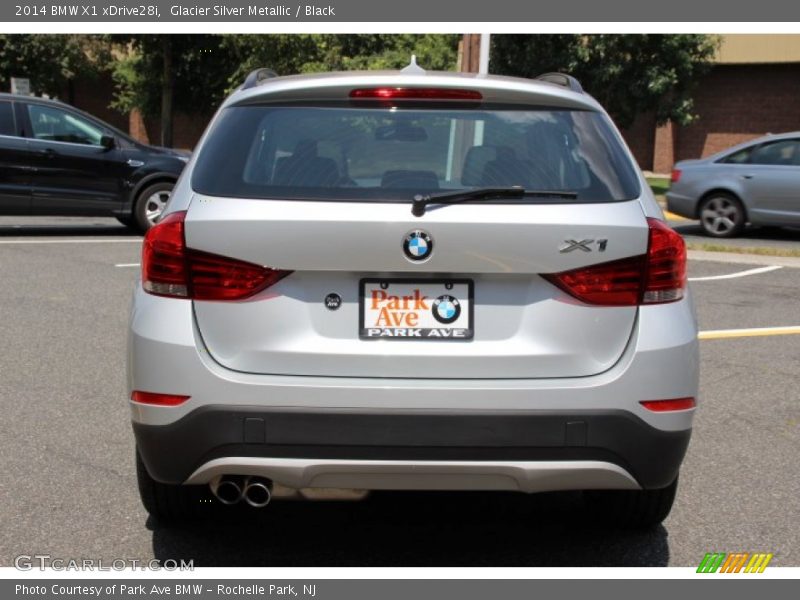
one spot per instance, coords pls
(628, 74)
(314, 53)
(49, 61)
(158, 74)
(161, 73)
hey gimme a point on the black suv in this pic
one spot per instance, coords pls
(58, 160)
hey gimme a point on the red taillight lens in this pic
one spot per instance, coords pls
(171, 269)
(617, 283)
(666, 265)
(654, 278)
(669, 405)
(164, 258)
(158, 399)
(215, 277)
(389, 93)
(675, 176)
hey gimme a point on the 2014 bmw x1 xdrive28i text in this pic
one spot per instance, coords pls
(412, 280)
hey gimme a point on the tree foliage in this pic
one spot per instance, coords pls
(208, 67)
(628, 74)
(49, 61)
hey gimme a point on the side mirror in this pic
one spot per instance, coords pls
(108, 142)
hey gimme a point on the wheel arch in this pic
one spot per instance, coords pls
(144, 182)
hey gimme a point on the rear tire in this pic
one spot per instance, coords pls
(632, 509)
(722, 215)
(170, 503)
(150, 204)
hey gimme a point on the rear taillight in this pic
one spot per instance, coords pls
(654, 278)
(665, 278)
(158, 399)
(669, 405)
(164, 269)
(676, 176)
(169, 268)
(397, 93)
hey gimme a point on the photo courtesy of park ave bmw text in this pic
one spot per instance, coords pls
(475, 292)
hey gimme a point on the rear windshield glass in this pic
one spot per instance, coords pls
(391, 154)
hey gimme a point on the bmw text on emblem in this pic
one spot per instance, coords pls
(446, 309)
(417, 245)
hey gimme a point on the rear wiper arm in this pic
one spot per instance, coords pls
(423, 200)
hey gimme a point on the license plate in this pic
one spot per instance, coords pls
(403, 309)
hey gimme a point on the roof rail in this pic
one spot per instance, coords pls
(562, 79)
(257, 76)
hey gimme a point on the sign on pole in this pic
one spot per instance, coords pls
(21, 86)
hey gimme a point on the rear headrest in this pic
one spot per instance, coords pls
(305, 149)
(474, 163)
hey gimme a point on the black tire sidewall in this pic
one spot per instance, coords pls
(139, 207)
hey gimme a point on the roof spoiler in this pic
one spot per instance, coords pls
(562, 79)
(258, 76)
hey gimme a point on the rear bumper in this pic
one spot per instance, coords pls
(515, 446)
(556, 433)
(685, 206)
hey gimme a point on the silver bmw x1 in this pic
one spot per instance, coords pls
(411, 280)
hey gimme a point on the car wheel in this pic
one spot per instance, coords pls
(150, 204)
(170, 503)
(722, 215)
(632, 509)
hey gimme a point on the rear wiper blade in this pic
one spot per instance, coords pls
(423, 200)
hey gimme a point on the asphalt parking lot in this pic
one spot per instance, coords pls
(69, 486)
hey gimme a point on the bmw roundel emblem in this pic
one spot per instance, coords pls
(417, 245)
(446, 309)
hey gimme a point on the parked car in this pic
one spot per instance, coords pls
(58, 160)
(412, 280)
(757, 182)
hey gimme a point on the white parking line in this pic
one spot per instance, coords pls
(128, 265)
(113, 241)
(739, 274)
(718, 334)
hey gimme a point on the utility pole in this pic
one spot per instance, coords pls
(474, 53)
(473, 57)
(167, 91)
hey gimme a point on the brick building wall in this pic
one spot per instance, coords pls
(94, 94)
(735, 103)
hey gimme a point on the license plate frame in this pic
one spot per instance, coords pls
(444, 331)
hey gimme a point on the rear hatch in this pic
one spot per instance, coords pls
(324, 192)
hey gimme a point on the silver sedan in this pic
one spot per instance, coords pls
(757, 182)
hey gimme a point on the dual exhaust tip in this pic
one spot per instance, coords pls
(232, 489)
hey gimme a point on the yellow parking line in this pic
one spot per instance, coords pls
(719, 334)
(673, 217)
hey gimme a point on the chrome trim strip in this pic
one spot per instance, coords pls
(530, 477)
